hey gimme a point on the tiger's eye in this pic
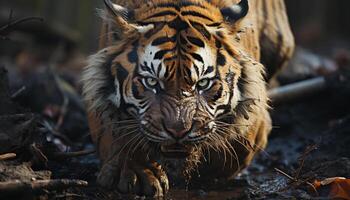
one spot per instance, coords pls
(203, 84)
(151, 81)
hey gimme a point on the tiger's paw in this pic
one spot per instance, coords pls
(148, 180)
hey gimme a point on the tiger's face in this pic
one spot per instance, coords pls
(176, 69)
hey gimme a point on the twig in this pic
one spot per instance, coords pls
(22, 186)
(285, 174)
(19, 21)
(18, 92)
(7, 156)
(66, 155)
(38, 154)
(302, 158)
(297, 181)
(15, 116)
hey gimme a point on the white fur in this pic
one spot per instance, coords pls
(93, 79)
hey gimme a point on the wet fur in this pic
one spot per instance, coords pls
(249, 130)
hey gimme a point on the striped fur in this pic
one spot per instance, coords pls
(179, 67)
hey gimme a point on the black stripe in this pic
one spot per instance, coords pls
(200, 28)
(132, 55)
(144, 67)
(163, 40)
(196, 41)
(159, 68)
(218, 94)
(197, 57)
(153, 69)
(220, 59)
(178, 5)
(168, 75)
(214, 24)
(185, 57)
(209, 70)
(242, 81)
(162, 14)
(135, 92)
(220, 34)
(122, 73)
(228, 49)
(178, 24)
(195, 14)
(160, 54)
(108, 86)
(196, 68)
(187, 76)
(226, 108)
(182, 40)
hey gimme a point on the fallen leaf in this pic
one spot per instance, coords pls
(336, 187)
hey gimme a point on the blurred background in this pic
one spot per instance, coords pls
(70, 29)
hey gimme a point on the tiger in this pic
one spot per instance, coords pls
(182, 80)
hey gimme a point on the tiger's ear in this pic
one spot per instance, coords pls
(235, 12)
(122, 19)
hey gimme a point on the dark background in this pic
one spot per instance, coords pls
(313, 21)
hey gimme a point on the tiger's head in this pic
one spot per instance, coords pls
(177, 68)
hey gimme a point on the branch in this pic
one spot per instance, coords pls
(295, 90)
(19, 21)
(22, 186)
(7, 156)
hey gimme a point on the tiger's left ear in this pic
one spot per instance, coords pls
(235, 12)
(123, 18)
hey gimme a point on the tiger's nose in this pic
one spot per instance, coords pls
(177, 131)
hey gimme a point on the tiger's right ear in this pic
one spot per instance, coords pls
(122, 19)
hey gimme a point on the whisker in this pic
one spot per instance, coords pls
(235, 139)
(245, 139)
(231, 125)
(135, 146)
(108, 124)
(124, 135)
(125, 145)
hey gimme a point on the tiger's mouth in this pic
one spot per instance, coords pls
(176, 150)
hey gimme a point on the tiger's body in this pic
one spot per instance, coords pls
(182, 77)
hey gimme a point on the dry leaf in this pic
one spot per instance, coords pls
(337, 187)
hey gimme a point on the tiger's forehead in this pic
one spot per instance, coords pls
(171, 52)
(187, 42)
(168, 10)
(165, 61)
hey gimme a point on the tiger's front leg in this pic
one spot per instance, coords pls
(135, 175)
